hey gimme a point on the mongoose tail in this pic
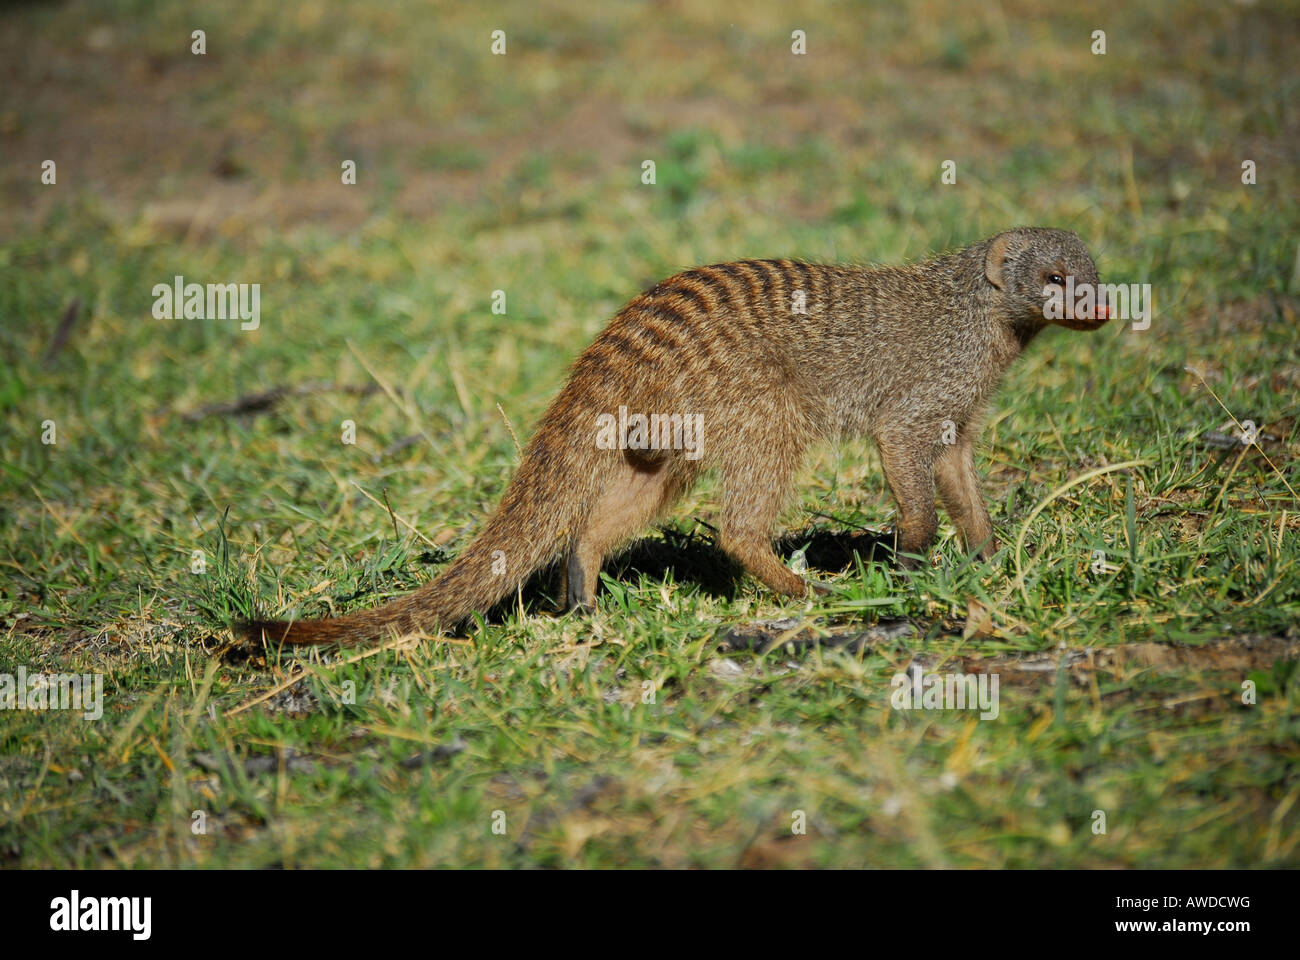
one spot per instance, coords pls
(547, 495)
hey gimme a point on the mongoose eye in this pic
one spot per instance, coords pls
(1057, 279)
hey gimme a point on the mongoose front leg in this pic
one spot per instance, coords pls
(909, 471)
(959, 489)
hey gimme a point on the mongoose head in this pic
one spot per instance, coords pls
(1045, 275)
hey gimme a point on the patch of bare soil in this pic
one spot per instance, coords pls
(1234, 655)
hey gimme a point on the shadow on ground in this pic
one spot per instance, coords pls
(694, 558)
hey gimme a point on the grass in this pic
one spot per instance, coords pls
(634, 737)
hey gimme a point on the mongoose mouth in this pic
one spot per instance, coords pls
(1100, 314)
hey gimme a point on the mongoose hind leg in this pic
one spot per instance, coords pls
(909, 471)
(959, 489)
(753, 494)
(752, 549)
(640, 491)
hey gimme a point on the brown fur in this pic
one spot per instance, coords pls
(891, 353)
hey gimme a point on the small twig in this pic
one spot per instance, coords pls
(266, 399)
(64, 330)
(396, 535)
(405, 523)
(295, 677)
(1255, 444)
(518, 450)
(393, 394)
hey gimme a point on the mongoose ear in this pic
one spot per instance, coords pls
(997, 257)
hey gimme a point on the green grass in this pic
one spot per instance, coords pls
(632, 737)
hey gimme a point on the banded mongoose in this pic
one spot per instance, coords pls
(768, 357)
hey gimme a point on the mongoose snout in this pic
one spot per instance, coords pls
(740, 368)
